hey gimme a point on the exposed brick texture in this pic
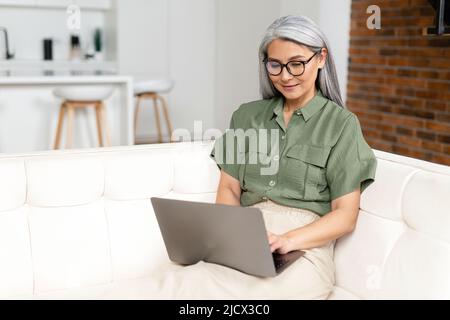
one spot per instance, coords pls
(399, 80)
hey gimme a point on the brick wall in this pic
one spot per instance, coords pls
(399, 80)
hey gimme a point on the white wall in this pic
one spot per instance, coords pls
(301, 7)
(174, 39)
(240, 27)
(191, 62)
(142, 36)
(335, 23)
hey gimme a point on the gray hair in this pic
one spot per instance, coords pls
(304, 31)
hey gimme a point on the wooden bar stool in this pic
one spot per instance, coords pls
(77, 97)
(152, 89)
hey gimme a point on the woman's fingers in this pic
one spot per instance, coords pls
(282, 250)
(273, 241)
(275, 246)
(276, 242)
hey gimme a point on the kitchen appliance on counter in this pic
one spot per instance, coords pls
(75, 47)
(7, 54)
(48, 48)
(36, 73)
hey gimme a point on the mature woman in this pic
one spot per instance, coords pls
(317, 164)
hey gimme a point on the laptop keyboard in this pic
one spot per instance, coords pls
(279, 261)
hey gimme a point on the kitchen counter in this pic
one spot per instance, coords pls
(28, 108)
(61, 77)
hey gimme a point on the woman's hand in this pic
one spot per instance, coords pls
(279, 243)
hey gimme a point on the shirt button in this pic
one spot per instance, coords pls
(283, 137)
(272, 183)
(298, 113)
(276, 158)
(264, 198)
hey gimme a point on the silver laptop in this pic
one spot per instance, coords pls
(232, 236)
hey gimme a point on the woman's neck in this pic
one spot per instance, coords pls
(294, 104)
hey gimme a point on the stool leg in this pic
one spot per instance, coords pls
(158, 125)
(136, 115)
(70, 119)
(62, 110)
(166, 116)
(104, 120)
(98, 114)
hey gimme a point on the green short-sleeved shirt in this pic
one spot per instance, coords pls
(319, 157)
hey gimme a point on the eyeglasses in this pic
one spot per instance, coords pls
(295, 68)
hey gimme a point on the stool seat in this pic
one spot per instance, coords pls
(84, 92)
(155, 85)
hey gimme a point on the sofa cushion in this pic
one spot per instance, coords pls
(199, 197)
(70, 246)
(64, 181)
(426, 204)
(13, 184)
(131, 289)
(16, 269)
(138, 175)
(339, 293)
(359, 256)
(194, 171)
(137, 247)
(416, 268)
(384, 199)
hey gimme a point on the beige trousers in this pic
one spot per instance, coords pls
(310, 277)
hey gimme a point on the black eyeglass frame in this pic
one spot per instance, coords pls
(286, 65)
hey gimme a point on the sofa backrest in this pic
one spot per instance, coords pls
(80, 218)
(401, 245)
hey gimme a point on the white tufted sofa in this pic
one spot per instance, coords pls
(79, 224)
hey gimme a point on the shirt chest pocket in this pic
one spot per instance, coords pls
(306, 172)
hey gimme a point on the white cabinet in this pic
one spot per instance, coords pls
(84, 4)
(94, 4)
(17, 3)
(54, 3)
